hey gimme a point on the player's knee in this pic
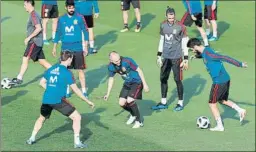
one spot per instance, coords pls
(41, 119)
(163, 80)
(130, 99)
(122, 102)
(222, 102)
(78, 117)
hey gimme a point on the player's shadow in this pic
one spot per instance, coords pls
(8, 99)
(85, 132)
(145, 20)
(192, 87)
(5, 18)
(36, 79)
(107, 38)
(232, 114)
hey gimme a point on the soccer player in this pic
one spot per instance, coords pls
(34, 42)
(70, 29)
(55, 81)
(210, 17)
(125, 7)
(220, 78)
(172, 45)
(85, 8)
(134, 82)
(49, 11)
(194, 14)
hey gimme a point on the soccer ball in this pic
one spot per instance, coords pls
(203, 122)
(5, 83)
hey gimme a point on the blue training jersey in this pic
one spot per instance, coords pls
(58, 78)
(49, 2)
(215, 67)
(70, 30)
(127, 70)
(86, 7)
(192, 6)
(209, 2)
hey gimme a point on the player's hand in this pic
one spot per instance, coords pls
(213, 6)
(159, 61)
(193, 17)
(26, 40)
(91, 104)
(54, 52)
(96, 15)
(244, 65)
(146, 88)
(106, 97)
(184, 64)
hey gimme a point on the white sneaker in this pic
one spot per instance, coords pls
(217, 128)
(131, 120)
(242, 114)
(138, 124)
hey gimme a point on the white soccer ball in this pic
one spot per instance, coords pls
(203, 122)
(5, 83)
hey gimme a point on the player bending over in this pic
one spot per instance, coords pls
(34, 42)
(55, 81)
(134, 82)
(172, 45)
(221, 80)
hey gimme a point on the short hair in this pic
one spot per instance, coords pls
(193, 42)
(112, 52)
(32, 2)
(70, 3)
(65, 55)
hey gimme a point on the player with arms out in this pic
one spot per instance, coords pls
(220, 78)
(34, 42)
(194, 14)
(210, 17)
(134, 82)
(125, 7)
(85, 8)
(172, 46)
(70, 30)
(55, 81)
(49, 11)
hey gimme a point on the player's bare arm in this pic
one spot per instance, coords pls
(43, 83)
(110, 85)
(79, 93)
(37, 30)
(145, 85)
(54, 49)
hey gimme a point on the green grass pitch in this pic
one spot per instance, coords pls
(105, 128)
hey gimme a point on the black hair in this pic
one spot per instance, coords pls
(32, 2)
(193, 42)
(70, 3)
(65, 55)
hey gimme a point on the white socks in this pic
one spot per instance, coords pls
(77, 139)
(180, 102)
(33, 136)
(91, 43)
(163, 101)
(19, 77)
(44, 36)
(53, 35)
(219, 122)
(214, 34)
(206, 42)
(84, 90)
(236, 107)
(208, 31)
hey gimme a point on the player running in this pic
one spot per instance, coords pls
(134, 82)
(55, 82)
(49, 11)
(172, 45)
(210, 17)
(221, 80)
(70, 29)
(125, 7)
(34, 42)
(85, 8)
(194, 14)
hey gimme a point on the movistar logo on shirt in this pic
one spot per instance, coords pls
(69, 30)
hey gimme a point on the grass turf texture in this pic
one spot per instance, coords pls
(105, 128)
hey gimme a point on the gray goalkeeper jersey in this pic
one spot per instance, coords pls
(173, 34)
(33, 20)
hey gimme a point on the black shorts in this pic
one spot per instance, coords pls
(125, 4)
(219, 92)
(78, 61)
(188, 21)
(49, 11)
(64, 107)
(209, 13)
(133, 90)
(34, 52)
(174, 65)
(89, 21)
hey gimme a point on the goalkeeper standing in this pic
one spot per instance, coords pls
(170, 56)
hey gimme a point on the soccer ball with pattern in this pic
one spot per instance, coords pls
(203, 122)
(5, 83)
